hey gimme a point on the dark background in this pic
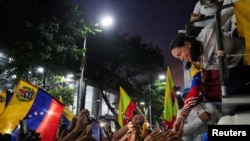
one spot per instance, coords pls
(156, 21)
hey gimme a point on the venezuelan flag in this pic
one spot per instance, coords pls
(37, 108)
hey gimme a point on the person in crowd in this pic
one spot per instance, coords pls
(5, 137)
(204, 11)
(201, 115)
(109, 134)
(163, 135)
(130, 129)
(27, 134)
(31, 135)
(132, 135)
(202, 51)
(79, 130)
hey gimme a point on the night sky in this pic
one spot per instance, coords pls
(156, 21)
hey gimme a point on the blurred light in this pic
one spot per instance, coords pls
(102, 124)
(70, 75)
(10, 60)
(7, 130)
(40, 69)
(71, 85)
(69, 78)
(142, 103)
(107, 21)
(10, 90)
(13, 76)
(162, 77)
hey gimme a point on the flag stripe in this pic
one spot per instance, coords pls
(124, 98)
(130, 109)
(123, 103)
(67, 116)
(51, 119)
(36, 113)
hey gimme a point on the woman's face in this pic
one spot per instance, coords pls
(182, 53)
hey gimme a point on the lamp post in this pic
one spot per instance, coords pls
(80, 90)
(106, 21)
(150, 105)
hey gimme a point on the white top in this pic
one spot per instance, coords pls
(231, 23)
(194, 128)
(210, 45)
(207, 9)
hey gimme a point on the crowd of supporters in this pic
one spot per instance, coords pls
(83, 128)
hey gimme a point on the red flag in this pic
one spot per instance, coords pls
(126, 108)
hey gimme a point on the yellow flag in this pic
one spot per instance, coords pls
(242, 16)
(67, 114)
(18, 107)
(126, 108)
(170, 101)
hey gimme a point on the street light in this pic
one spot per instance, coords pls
(162, 77)
(150, 107)
(106, 21)
(79, 95)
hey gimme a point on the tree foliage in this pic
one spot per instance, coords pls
(50, 34)
(122, 60)
(44, 33)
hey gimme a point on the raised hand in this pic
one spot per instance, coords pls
(179, 126)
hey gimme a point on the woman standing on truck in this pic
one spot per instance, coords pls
(202, 51)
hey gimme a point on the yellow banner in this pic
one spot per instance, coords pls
(242, 15)
(170, 103)
(18, 107)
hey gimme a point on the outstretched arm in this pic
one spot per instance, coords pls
(193, 95)
(190, 101)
